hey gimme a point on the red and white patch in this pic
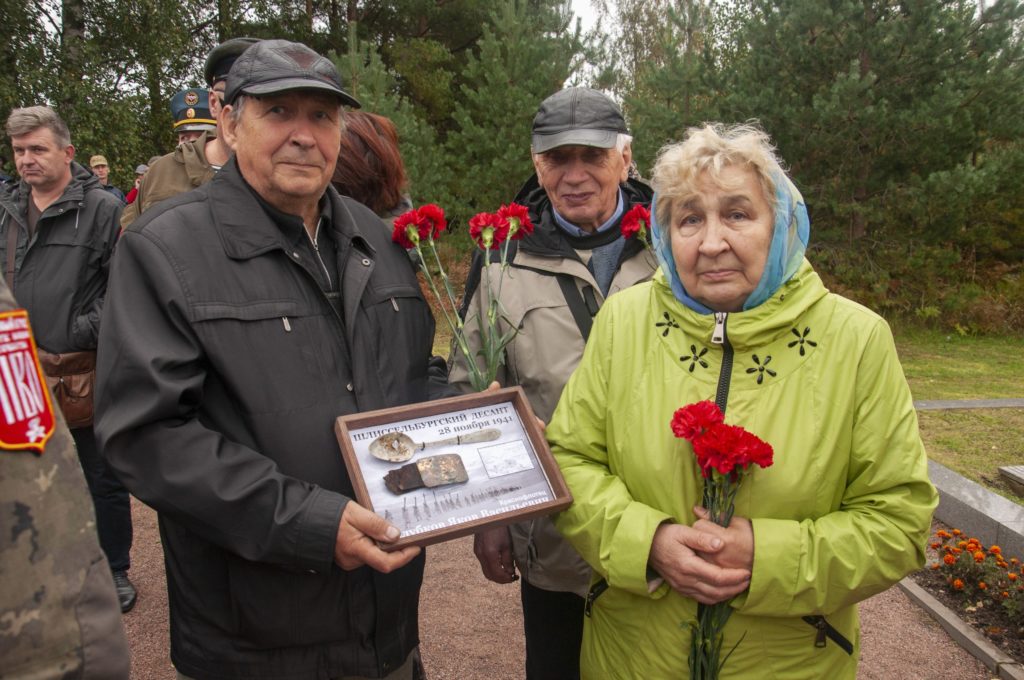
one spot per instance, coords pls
(26, 412)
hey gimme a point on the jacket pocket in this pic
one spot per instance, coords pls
(402, 336)
(273, 607)
(269, 355)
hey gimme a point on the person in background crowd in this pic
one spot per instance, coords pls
(58, 228)
(140, 172)
(738, 315)
(190, 109)
(244, 318)
(50, 557)
(370, 167)
(559, 277)
(194, 163)
(101, 169)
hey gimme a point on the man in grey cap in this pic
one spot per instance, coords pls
(251, 313)
(192, 163)
(574, 259)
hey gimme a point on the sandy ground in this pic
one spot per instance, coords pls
(471, 628)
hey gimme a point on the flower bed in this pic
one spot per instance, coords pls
(983, 586)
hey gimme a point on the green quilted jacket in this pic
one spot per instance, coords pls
(842, 514)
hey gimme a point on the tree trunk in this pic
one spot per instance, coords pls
(72, 43)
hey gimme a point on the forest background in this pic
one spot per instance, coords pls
(900, 121)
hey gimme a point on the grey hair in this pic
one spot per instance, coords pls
(31, 118)
(237, 106)
(710, 149)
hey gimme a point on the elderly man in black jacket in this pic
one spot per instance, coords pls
(244, 317)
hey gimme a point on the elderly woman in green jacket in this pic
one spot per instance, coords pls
(738, 316)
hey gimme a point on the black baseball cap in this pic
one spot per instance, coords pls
(577, 115)
(272, 66)
(223, 56)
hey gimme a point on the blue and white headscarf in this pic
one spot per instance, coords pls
(792, 230)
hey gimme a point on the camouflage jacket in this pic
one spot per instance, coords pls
(59, 616)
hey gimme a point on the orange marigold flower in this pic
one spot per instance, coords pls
(995, 550)
(982, 585)
(936, 566)
(934, 546)
(956, 532)
(1014, 561)
(958, 584)
(961, 544)
(1005, 594)
(956, 551)
(1012, 576)
(942, 533)
(949, 559)
(979, 556)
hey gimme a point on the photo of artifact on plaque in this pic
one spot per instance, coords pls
(443, 469)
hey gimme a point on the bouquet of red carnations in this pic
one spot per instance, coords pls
(725, 454)
(419, 230)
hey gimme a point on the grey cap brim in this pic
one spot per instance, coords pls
(286, 84)
(602, 139)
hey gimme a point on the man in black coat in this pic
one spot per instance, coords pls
(57, 233)
(245, 317)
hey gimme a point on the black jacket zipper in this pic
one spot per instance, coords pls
(720, 337)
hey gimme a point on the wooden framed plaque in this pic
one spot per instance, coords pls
(443, 469)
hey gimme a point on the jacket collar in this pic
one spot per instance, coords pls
(245, 228)
(15, 199)
(756, 327)
(192, 155)
(547, 237)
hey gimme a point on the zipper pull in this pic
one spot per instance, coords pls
(821, 624)
(718, 336)
(394, 303)
(287, 326)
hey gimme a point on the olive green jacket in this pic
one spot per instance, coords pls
(182, 170)
(59, 616)
(842, 514)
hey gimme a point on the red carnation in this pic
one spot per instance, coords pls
(692, 421)
(635, 222)
(751, 449)
(489, 230)
(433, 216)
(518, 218)
(407, 232)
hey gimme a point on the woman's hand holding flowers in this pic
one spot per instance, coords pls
(738, 541)
(676, 554)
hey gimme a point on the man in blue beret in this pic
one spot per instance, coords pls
(194, 162)
(191, 111)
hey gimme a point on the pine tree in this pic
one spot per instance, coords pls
(526, 53)
(377, 89)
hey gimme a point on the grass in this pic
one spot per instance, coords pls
(974, 443)
(947, 366)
